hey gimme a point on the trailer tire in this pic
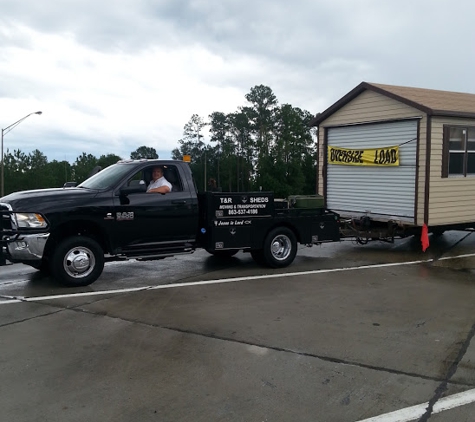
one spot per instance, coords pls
(77, 261)
(280, 247)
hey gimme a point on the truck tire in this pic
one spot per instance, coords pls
(77, 261)
(280, 247)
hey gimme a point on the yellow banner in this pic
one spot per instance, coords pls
(387, 156)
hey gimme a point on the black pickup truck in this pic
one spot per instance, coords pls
(71, 231)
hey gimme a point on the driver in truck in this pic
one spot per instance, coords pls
(159, 184)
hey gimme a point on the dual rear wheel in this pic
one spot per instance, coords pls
(279, 248)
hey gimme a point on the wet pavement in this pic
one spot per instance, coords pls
(346, 333)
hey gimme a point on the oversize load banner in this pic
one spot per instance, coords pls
(388, 156)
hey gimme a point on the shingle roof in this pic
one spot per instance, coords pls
(430, 101)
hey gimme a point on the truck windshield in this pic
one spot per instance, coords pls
(106, 178)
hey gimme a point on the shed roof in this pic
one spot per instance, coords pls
(430, 101)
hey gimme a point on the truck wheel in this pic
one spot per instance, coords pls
(77, 261)
(280, 247)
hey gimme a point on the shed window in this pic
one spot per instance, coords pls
(459, 151)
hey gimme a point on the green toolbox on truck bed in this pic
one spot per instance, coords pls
(307, 201)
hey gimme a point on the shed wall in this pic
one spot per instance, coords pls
(452, 199)
(368, 107)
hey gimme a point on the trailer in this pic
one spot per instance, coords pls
(398, 161)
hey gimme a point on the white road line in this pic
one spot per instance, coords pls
(205, 282)
(456, 400)
(467, 255)
(8, 300)
(404, 415)
(16, 299)
(415, 412)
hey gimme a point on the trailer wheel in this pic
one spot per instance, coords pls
(77, 261)
(280, 247)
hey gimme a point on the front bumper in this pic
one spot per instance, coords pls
(17, 245)
(27, 247)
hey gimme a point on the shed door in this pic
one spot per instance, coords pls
(383, 192)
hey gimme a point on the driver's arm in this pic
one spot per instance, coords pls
(161, 189)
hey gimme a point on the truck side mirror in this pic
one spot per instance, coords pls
(135, 186)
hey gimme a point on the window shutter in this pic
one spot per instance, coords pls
(445, 152)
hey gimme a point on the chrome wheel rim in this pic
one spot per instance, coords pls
(281, 247)
(79, 262)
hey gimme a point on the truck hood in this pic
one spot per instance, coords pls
(43, 199)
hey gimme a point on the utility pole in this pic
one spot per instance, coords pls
(205, 169)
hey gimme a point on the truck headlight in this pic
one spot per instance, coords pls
(30, 220)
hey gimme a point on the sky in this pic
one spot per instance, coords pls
(112, 75)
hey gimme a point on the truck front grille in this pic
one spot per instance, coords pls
(5, 219)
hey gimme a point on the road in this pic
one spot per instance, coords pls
(380, 332)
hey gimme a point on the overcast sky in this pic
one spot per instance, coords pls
(113, 75)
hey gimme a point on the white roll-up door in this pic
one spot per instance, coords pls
(384, 192)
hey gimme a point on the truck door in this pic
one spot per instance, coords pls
(154, 219)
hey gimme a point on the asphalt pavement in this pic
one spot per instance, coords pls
(381, 332)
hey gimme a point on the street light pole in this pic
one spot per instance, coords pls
(4, 132)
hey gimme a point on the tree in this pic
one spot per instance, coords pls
(220, 130)
(261, 115)
(38, 177)
(241, 132)
(262, 144)
(143, 152)
(107, 160)
(60, 172)
(16, 167)
(83, 167)
(192, 144)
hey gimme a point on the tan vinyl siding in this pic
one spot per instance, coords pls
(421, 171)
(452, 199)
(370, 106)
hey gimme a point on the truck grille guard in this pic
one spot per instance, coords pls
(7, 232)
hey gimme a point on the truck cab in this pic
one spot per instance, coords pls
(151, 223)
(69, 230)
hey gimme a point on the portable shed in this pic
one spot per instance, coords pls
(399, 153)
